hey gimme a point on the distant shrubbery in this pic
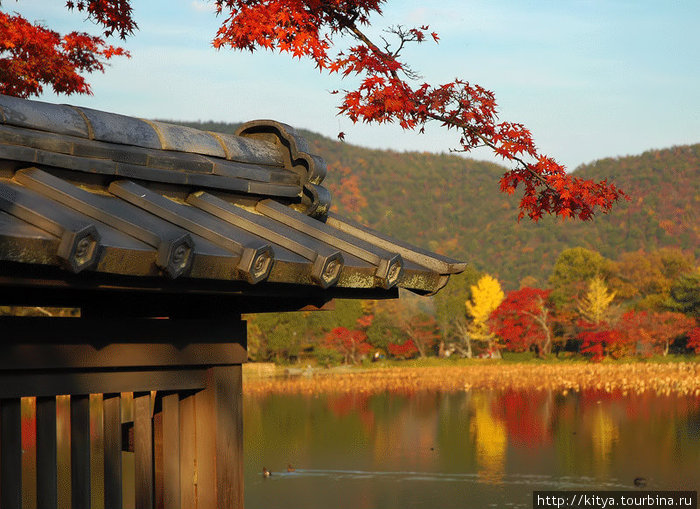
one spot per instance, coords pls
(640, 305)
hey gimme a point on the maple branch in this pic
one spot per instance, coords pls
(386, 96)
(491, 145)
(386, 56)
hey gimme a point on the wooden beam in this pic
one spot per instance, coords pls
(52, 384)
(105, 331)
(120, 296)
(119, 355)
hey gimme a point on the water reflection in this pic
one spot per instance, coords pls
(472, 449)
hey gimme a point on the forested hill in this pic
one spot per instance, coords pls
(452, 205)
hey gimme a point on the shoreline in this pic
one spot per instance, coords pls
(679, 378)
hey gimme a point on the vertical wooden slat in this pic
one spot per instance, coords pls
(113, 451)
(29, 474)
(11, 453)
(46, 453)
(219, 440)
(188, 473)
(205, 443)
(80, 451)
(63, 452)
(158, 458)
(143, 451)
(97, 456)
(171, 451)
(127, 418)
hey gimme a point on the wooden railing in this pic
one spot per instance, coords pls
(167, 392)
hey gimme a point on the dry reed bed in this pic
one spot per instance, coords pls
(672, 378)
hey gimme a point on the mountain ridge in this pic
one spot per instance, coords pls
(452, 205)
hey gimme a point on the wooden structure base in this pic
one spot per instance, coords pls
(167, 391)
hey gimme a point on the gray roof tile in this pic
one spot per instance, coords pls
(105, 193)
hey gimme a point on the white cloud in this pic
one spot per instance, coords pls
(203, 6)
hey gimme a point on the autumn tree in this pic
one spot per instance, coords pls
(694, 340)
(655, 330)
(352, 344)
(596, 334)
(404, 350)
(33, 56)
(594, 307)
(390, 90)
(523, 321)
(646, 278)
(422, 330)
(486, 296)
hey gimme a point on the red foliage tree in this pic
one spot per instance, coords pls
(351, 344)
(694, 339)
(406, 350)
(603, 343)
(655, 330)
(32, 56)
(522, 320)
(389, 92)
(423, 333)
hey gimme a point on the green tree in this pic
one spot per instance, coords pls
(449, 307)
(383, 331)
(277, 336)
(684, 295)
(573, 269)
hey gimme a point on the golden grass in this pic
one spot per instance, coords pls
(681, 378)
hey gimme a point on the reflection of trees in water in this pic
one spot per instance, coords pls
(598, 434)
(527, 416)
(489, 436)
(604, 435)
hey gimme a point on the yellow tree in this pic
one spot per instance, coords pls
(595, 304)
(486, 297)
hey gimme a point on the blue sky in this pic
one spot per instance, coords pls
(591, 79)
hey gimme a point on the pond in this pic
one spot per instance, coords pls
(463, 449)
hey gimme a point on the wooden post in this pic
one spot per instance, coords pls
(219, 438)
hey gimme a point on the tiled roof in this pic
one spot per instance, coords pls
(86, 190)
